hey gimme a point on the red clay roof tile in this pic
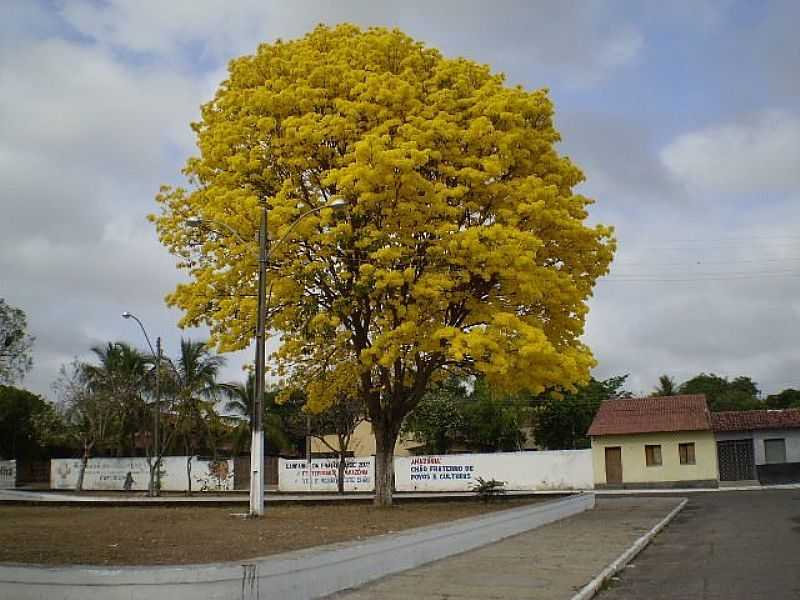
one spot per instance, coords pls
(747, 420)
(650, 415)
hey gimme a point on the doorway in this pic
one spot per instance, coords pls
(736, 460)
(614, 465)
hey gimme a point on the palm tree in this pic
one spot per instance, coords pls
(120, 377)
(666, 386)
(240, 402)
(195, 390)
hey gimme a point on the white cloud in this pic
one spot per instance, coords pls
(759, 153)
(580, 45)
(154, 26)
(85, 142)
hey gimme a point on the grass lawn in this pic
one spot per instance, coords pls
(106, 535)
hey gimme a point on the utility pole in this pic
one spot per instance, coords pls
(157, 421)
(256, 421)
(257, 442)
(308, 449)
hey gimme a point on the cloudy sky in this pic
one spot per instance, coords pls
(683, 115)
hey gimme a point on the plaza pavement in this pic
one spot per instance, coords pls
(743, 546)
(549, 563)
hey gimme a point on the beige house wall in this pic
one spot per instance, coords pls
(362, 443)
(635, 469)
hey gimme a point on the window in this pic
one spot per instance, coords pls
(686, 453)
(652, 455)
(775, 450)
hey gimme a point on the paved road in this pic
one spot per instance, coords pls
(742, 545)
(549, 563)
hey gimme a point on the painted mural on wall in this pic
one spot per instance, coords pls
(133, 474)
(8, 474)
(320, 475)
(553, 470)
(556, 470)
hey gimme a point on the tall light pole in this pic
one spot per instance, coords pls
(155, 482)
(256, 423)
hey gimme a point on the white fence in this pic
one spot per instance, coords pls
(296, 476)
(552, 470)
(111, 474)
(8, 474)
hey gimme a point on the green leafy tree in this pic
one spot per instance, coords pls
(438, 420)
(788, 398)
(91, 414)
(483, 419)
(493, 422)
(563, 423)
(19, 410)
(334, 427)
(740, 393)
(15, 344)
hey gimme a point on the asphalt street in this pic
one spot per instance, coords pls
(722, 546)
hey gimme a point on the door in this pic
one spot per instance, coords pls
(614, 465)
(736, 460)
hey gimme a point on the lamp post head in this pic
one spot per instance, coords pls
(126, 315)
(194, 222)
(338, 204)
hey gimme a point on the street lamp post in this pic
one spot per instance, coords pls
(155, 482)
(256, 422)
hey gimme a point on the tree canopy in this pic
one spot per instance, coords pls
(15, 344)
(562, 423)
(739, 393)
(464, 247)
(788, 398)
(479, 419)
(19, 437)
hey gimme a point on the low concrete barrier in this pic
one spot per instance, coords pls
(300, 575)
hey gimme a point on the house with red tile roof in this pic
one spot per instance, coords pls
(654, 442)
(758, 444)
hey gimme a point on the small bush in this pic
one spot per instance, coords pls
(487, 490)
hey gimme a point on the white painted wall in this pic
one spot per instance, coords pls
(110, 473)
(295, 476)
(792, 437)
(556, 470)
(551, 470)
(8, 474)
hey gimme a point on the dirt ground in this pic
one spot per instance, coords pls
(183, 535)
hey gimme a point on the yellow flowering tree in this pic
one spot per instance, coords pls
(464, 248)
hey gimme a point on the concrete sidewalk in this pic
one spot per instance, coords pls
(232, 498)
(21, 496)
(549, 563)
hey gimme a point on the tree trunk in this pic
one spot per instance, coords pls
(340, 474)
(154, 485)
(189, 475)
(151, 484)
(87, 449)
(385, 439)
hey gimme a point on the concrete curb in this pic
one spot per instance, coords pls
(591, 588)
(21, 498)
(301, 575)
